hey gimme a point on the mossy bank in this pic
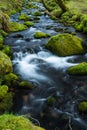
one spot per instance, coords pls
(76, 14)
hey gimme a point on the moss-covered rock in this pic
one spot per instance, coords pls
(12, 122)
(1, 41)
(14, 11)
(41, 35)
(6, 99)
(5, 64)
(28, 23)
(37, 13)
(3, 91)
(7, 50)
(10, 79)
(82, 107)
(51, 100)
(31, 5)
(24, 17)
(78, 26)
(3, 33)
(65, 44)
(26, 84)
(15, 27)
(80, 69)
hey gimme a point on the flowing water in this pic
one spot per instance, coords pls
(48, 72)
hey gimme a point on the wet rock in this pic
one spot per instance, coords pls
(27, 39)
(41, 35)
(59, 29)
(18, 36)
(65, 44)
(80, 69)
(36, 18)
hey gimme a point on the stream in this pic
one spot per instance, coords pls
(34, 63)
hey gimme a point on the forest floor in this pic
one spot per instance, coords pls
(78, 5)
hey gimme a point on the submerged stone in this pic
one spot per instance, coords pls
(41, 35)
(26, 84)
(82, 107)
(65, 45)
(80, 69)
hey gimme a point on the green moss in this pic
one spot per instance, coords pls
(3, 33)
(80, 69)
(12, 122)
(1, 41)
(56, 12)
(5, 64)
(3, 91)
(5, 99)
(7, 50)
(28, 23)
(9, 5)
(14, 27)
(26, 84)
(51, 100)
(82, 107)
(10, 79)
(30, 4)
(41, 35)
(13, 11)
(24, 17)
(65, 44)
(78, 26)
(37, 13)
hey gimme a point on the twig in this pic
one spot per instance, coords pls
(70, 123)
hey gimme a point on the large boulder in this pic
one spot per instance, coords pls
(65, 45)
(5, 64)
(80, 69)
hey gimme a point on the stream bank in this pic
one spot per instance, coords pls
(56, 95)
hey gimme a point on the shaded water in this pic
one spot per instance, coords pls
(34, 63)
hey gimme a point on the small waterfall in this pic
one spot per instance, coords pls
(30, 65)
